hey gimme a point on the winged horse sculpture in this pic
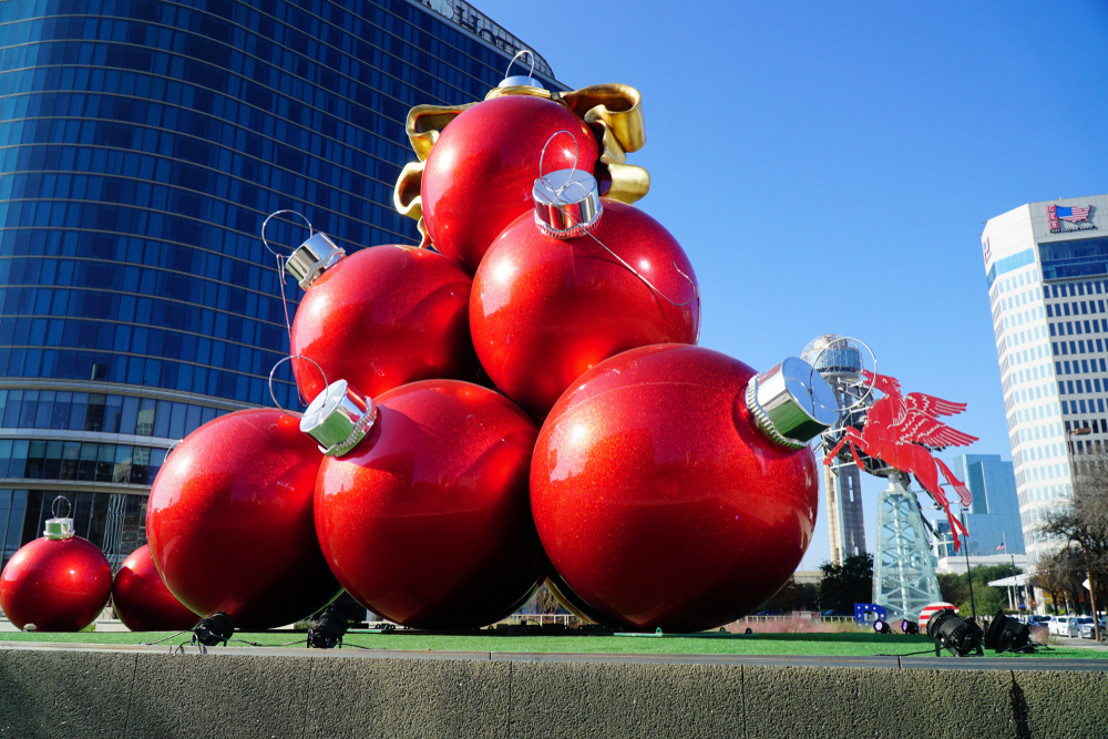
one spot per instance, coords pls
(902, 431)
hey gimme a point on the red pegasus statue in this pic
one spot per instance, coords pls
(902, 431)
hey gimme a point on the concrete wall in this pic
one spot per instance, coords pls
(137, 692)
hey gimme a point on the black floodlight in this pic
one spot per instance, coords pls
(958, 636)
(882, 627)
(1006, 634)
(909, 627)
(214, 629)
(326, 633)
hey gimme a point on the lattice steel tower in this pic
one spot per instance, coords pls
(904, 566)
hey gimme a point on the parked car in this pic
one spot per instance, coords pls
(1087, 629)
(1060, 625)
(1073, 628)
(1036, 620)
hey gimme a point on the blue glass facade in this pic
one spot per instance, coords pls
(993, 519)
(142, 144)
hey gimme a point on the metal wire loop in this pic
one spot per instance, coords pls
(281, 361)
(542, 158)
(55, 506)
(276, 213)
(695, 291)
(520, 53)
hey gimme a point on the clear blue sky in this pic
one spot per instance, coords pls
(828, 167)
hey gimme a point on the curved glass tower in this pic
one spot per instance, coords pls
(142, 145)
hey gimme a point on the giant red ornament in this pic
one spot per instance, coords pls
(426, 520)
(550, 303)
(379, 317)
(230, 521)
(142, 601)
(58, 582)
(658, 495)
(479, 174)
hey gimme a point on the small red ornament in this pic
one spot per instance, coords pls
(551, 301)
(479, 174)
(230, 521)
(58, 582)
(658, 494)
(379, 317)
(142, 601)
(423, 512)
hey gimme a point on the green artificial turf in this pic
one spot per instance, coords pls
(861, 644)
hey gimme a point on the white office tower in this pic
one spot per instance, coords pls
(1047, 270)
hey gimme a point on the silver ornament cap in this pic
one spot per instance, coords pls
(791, 403)
(567, 203)
(312, 257)
(59, 528)
(520, 80)
(338, 418)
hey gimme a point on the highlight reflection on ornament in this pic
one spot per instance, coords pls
(659, 497)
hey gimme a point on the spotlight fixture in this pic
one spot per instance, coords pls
(214, 629)
(1006, 634)
(327, 632)
(958, 636)
(882, 627)
(909, 627)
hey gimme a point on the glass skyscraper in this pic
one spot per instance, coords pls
(142, 145)
(993, 519)
(1046, 265)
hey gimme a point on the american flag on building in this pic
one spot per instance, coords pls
(1073, 215)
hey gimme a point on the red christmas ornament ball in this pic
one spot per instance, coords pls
(545, 309)
(426, 521)
(142, 601)
(479, 174)
(230, 521)
(55, 584)
(382, 317)
(659, 501)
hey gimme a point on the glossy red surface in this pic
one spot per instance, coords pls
(659, 502)
(230, 521)
(544, 310)
(142, 601)
(55, 584)
(426, 521)
(481, 170)
(384, 316)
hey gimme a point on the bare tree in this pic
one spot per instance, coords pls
(1082, 528)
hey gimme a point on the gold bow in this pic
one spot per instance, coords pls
(612, 111)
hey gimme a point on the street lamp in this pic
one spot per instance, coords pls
(1070, 433)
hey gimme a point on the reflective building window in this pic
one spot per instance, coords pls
(141, 147)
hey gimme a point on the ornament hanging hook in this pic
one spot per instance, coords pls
(281, 260)
(542, 158)
(519, 54)
(281, 361)
(274, 214)
(56, 505)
